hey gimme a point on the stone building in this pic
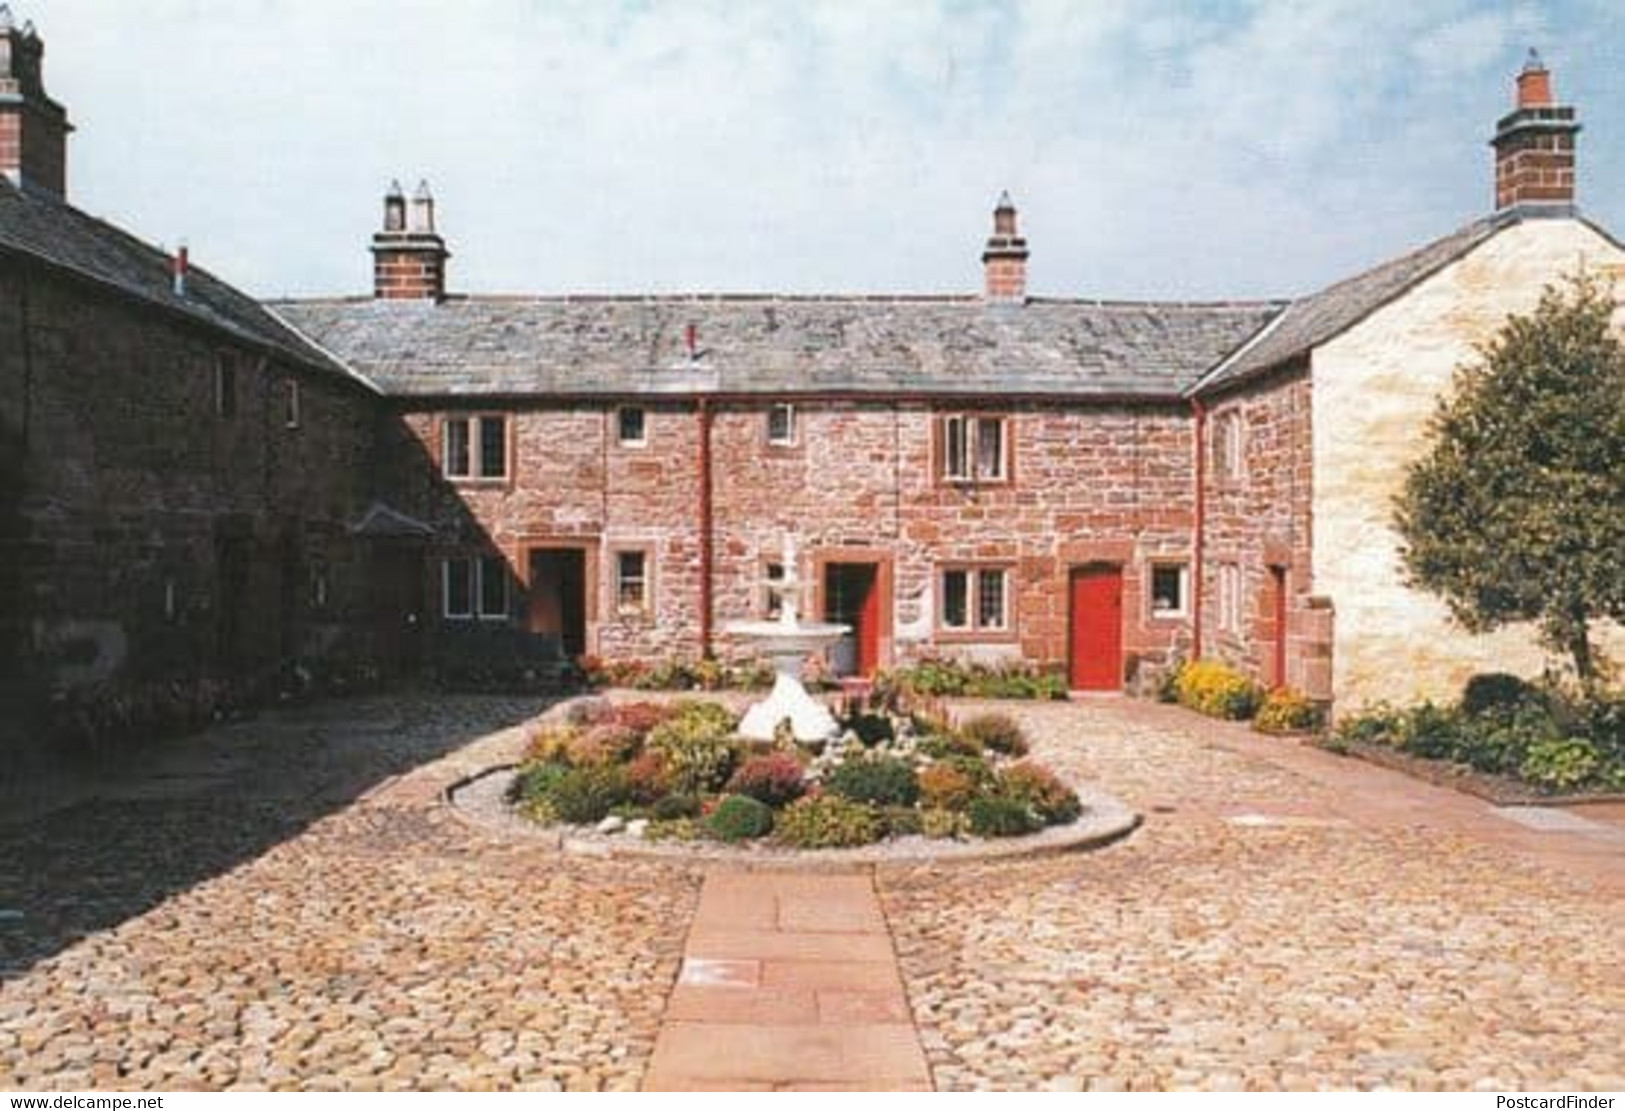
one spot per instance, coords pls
(196, 484)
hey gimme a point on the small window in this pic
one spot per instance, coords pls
(225, 384)
(474, 447)
(632, 425)
(973, 449)
(772, 600)
(457, 582)
(171, 600)
(631, 582)
(493, 588)
(1169, 589)
(290, 400)
(318, 589)
(781, 425)
(473, 587)
(1230, 606)
(975, 599)
(1227, 446)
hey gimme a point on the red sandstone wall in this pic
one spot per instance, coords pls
(120, 476)
(1103, 483)
(1260, 518)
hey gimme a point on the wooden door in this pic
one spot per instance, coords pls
(852, 597)
(1276, 604)
(1097, 629)
(557, 601)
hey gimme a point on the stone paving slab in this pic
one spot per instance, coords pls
(809, 998)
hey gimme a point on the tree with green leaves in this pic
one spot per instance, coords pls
(1517, 510)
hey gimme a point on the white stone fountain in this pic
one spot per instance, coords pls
(788, 641)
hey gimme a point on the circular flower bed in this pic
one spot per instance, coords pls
(679, 772)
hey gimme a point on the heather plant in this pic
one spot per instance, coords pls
(739, 818)
(776, 778)
(829, 822)
(999, 733)
(883, 780)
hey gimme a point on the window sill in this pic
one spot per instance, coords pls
(975, 636)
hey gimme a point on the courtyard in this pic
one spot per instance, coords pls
(289, 902)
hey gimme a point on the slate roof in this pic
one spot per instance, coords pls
(618, 346)
(46, 228)
(1311, 321)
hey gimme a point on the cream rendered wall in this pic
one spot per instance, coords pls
(1373, 390)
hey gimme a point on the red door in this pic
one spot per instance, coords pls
(1277, 610)
(1097, 629)
(869, 628)
(852, 597)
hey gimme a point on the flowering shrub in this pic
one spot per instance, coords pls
(776, 779)
(829, 822)
(1215, 688)
(1287, 711)
(1053, 801)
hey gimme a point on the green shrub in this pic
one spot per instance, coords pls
(673, 829)
(885, 781)
(871, 729)
(775, 778)
(698, 746)
(671, 808)
(1002, 816)
(1561, 765)
(1218, 690)
(998, 732)
(901, 821)
(1287, 711)
(739, 818)
(946, 787)
(1496, 691)
(588, 794)
(943, 823)
(941, 746)
(535, 781)
(1041, 791)
(1430, 731)
(828, 822)
(1378, 724)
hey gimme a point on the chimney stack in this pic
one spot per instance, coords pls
(180, 265)
(408, 255)
(1534, 144)
(1004, 259)
(33, 127)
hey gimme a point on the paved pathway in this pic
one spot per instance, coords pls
(788, 983)
(286, 903)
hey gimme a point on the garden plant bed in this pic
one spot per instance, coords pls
(1501, 790)
(865, 800)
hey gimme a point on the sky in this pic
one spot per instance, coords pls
(1181, 150)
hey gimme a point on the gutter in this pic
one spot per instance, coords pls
(1198, 525)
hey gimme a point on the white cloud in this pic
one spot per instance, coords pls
(1163, 149)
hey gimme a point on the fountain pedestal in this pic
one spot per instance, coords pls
(787, 642)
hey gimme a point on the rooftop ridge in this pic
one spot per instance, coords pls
(1218, 304)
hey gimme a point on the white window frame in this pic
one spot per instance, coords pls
(1183, 570)
(645, 604)
(1228, 446)
(225, 384)
(642, 439)
(473, 567)
(291, 414)
(788, 439)
(974, 575)
(474, 425)
(960, 436)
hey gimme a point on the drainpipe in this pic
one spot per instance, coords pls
(707, 554)
(1199, 526)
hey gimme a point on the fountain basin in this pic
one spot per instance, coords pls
(788, 645)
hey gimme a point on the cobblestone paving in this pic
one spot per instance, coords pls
(1302, 947)
(239, 922)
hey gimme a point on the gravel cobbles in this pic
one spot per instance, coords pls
(1299, 948)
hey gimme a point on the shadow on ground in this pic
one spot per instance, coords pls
(97, 847)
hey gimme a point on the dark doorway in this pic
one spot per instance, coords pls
(397, 605)
(1275, 607)
(1097, 629)
(557, 601)
(232, 555)
(852, 597)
